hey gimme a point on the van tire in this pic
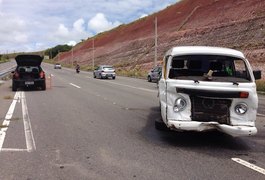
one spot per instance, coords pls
(160, 125)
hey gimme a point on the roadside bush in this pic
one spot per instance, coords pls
(260, 85)
(136, 73)
(4, 58)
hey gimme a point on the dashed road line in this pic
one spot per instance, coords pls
(31, 146)
(13, 150)
(75, 85)
(139, 88)
(249, 165)
(8, 117)
(261, 115)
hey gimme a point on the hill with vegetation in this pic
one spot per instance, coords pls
(238, 24)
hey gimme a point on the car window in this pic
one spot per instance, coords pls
(28, 69)
(108, 68)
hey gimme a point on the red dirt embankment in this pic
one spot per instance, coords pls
(238, 24)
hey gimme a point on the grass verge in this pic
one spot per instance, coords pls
(260, 85)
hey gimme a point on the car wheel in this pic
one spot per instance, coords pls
(114, 77)
(160, 125)
(149, 79)
(43, 87)
(14, 87)
(94, 75)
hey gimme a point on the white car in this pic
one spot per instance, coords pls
(207, 88)
(57, 66)
(104, 71)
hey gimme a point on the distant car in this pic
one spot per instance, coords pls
(154, 74)
(28, 72)
(57, 66)
(104, 71)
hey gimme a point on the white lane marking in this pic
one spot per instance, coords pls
(8, 117)
(27, 125)
(262, 115)
(75, 85)
(144, 89)
(249, 165)
(13, 150)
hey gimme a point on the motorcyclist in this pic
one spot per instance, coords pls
(77, 68)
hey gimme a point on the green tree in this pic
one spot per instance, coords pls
(52, 52)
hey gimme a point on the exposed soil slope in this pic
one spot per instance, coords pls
(238, 24)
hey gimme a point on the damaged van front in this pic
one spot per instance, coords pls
(207, 88)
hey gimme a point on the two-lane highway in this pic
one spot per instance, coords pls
(86, 128)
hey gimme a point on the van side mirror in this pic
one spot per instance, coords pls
(257, 74)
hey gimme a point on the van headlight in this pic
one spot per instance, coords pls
(241, 108)
(180, 104)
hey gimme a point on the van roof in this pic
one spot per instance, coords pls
(204, 50)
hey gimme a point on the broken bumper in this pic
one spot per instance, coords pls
(205, 126)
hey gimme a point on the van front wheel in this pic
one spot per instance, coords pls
(160, 125)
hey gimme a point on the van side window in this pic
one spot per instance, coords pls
(241, 70)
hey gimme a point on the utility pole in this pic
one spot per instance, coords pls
(155, 61)
(93, 54)
(72, 56)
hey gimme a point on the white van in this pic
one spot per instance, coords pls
(206, 88)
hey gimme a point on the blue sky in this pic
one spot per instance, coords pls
(32, 25)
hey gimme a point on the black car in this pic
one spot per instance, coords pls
(28, 72)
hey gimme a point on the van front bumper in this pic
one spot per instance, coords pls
(205, 126)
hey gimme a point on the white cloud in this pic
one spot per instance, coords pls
(12, 29)
(20, 37)
(71, 43)
(99, 23)
(79, 25)
(62, 31)
(143, 15)
(65, 35)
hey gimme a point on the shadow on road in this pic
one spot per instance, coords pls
(194, 140)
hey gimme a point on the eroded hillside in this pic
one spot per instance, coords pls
(238, 24)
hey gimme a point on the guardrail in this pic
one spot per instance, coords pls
(4, 73)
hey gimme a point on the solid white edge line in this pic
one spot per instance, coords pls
(8, 117)
(31, 146)
(75, 85)
(249, 165)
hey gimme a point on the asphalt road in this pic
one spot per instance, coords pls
(85, 128)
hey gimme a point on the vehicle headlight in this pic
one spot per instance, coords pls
(241, 108)
(180, 104)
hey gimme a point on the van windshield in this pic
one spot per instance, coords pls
(209, 68)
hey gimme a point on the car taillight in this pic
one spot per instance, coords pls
(15, 75)
(42, 75)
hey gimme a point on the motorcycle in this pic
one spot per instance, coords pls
(77, 69)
